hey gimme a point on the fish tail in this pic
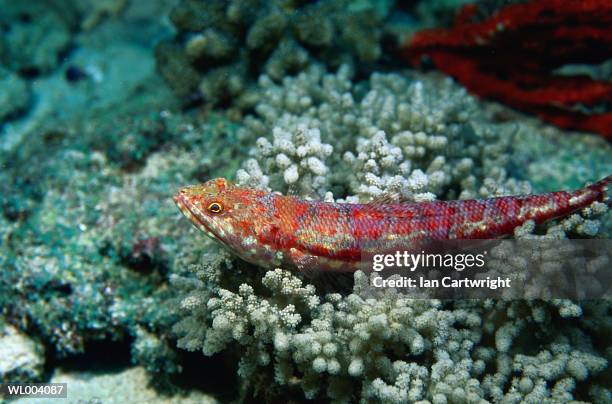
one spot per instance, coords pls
(544, 207)
(598, 192)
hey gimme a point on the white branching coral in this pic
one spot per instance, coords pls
(391, 348)
(294, 155)
(409, 136)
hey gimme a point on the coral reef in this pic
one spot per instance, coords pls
(222, 47)
(72, 271)
(393, 348)
(55, 243)
(425, 138)
(421, 137)
(528, 46)
(98, 264)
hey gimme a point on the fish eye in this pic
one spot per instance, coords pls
(215, 207)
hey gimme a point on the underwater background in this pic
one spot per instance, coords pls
(108, 107)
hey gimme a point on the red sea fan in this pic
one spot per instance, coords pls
(511, 57)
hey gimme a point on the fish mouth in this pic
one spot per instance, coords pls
(193, 214)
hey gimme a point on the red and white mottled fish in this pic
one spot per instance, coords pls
(272, 230)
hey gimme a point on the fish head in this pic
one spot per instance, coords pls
(222, 210)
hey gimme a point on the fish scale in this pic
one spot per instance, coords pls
(271, 230)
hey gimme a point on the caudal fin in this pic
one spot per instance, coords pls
(542, 208)
(600, 191)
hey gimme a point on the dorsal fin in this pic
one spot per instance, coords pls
(388, 198)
